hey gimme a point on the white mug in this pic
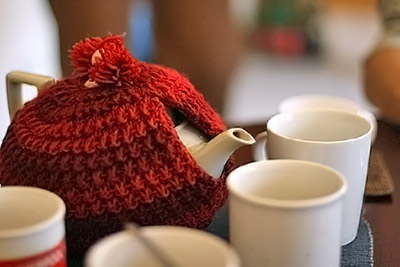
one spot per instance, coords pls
(180, 245)
(312, 102)
(337, 139)
(286, 213)
(32, 228)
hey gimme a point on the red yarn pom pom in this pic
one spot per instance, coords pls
(105, 61)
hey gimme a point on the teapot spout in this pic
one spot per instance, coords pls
(213, 155)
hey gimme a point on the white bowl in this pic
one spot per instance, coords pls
(183, 246)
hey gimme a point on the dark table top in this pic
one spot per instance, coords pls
(383, 213)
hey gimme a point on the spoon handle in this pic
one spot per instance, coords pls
(156, 251)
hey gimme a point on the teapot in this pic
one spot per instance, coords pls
(211, 155)
(105, 141)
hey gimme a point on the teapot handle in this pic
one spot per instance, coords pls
(14, 81)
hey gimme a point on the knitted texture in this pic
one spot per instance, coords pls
(103, 141)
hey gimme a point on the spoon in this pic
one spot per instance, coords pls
(160, 255)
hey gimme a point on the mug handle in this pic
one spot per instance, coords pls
(259, 147)
(15, 79)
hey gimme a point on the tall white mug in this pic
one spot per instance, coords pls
(32, 231)
(337, 139)
(318, 102)
(286, 213)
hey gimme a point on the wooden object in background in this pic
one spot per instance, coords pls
(379, 179)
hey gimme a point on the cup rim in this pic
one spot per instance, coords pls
(120, 237)
(344, 113)
(39, 226)
(287, 204)
(353, 106)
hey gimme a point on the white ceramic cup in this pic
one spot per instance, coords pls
(182, 246)
(32, 228)
(337, 139)
(312, 102)
(286, 213)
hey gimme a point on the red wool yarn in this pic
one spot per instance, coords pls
(103, 141)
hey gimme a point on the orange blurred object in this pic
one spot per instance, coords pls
(352, 4)
(382, 82)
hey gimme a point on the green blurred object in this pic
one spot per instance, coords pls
(278, 13)
(288, 27)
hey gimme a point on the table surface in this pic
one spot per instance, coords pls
(383, 213)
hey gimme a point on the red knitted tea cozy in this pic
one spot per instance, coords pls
(103, 141)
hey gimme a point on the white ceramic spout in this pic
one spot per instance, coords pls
(213, 155)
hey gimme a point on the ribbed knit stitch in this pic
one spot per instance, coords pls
(103, 141)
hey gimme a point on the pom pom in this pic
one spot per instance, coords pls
(105, 61)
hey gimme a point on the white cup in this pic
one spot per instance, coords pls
(32, 229)
(312, 102)
(286, 213)
(182, 246)
(337, 139)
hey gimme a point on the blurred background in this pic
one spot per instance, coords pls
(341, 34)
(292, 47)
